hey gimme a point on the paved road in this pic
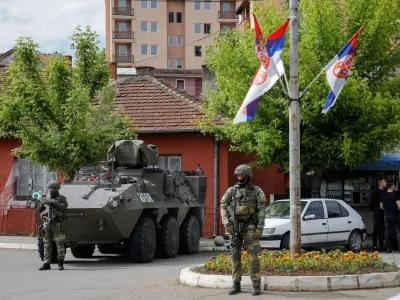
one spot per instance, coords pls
(112, 277)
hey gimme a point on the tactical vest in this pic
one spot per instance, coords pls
(246, 201)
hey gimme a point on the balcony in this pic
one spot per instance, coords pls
(124, 35)
(123, 11)
(123, 59)
(227, 15)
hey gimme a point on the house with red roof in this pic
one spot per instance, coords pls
(165, 116)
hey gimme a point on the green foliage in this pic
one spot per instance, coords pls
(49, 105)
(365, 120)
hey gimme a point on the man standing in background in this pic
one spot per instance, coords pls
(391, 206)
(378, 214)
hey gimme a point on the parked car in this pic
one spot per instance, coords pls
(324, 223)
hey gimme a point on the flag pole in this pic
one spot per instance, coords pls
(311, 83)
(294, 134)
(286, 81)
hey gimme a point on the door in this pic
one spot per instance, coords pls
(339, 222)
(314, 229)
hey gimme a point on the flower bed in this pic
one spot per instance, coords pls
(308, 263)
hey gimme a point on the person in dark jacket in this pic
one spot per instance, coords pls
(377, 212)
(391, 206)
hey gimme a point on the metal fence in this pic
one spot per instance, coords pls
(17, 220)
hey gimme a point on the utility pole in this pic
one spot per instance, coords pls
(294, 133)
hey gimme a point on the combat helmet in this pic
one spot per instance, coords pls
(54, 184)
(243, 170)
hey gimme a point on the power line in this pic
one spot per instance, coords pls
(150, 59)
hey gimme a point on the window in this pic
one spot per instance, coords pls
(153, 26)
(143, 3)
(143, 49)
(170, 40)
(154, 50)
(179, 63)
(207, 4)
(335, 210)
(170, 162)
(143, 26)
(179, 17)
(197, 4)
(171, 17)
(154, 3)
(226, 27)
(207, 28)
(180, 84)
(29, 178)
(122, 3)
(226, 7)
(122, 27)
(316, 209)
(179, 40)
(171, 63)
(123, 50)
(197, 27)
(197, 50)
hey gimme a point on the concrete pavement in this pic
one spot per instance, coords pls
(30, 243)
(112, 277)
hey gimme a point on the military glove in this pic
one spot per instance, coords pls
(258, 234)
(229, 229)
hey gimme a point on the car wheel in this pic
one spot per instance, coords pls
(285, 243)
(355, 241)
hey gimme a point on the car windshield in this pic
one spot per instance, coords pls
(281, 210)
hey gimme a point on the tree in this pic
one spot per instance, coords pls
(365, 120)
(65, 116)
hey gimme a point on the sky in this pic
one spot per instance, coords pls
(49, 23)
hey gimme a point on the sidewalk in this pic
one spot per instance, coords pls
(30, 243)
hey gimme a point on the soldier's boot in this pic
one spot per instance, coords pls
(60, 264)
(46, 266)
(235, 288)
(256, 288)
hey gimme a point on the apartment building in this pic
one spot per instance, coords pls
(165, 34)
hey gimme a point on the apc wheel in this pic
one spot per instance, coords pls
(143, 241)
(167, 238)
(285, 243)
(82, 251)
(189, 235)
(355, 241)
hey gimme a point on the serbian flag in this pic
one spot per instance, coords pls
(274, 46)
(264, 78)
(338, 69)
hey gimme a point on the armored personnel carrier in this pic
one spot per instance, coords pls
(135, 208)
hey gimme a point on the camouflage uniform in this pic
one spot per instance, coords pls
(56, 232)
(250, 213)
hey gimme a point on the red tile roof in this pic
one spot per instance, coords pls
(179, 71)
(156, 106)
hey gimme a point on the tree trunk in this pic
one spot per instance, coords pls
(316, 186)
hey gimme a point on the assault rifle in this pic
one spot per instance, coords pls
(46, 216)
(232, 213)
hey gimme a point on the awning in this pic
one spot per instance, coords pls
(387, 162)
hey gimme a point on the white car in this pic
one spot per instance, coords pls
(324, 222)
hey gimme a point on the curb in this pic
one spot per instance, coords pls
(295, 283)
(34, 247)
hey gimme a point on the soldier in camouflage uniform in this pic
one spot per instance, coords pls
(58, 203)
(250, 213)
